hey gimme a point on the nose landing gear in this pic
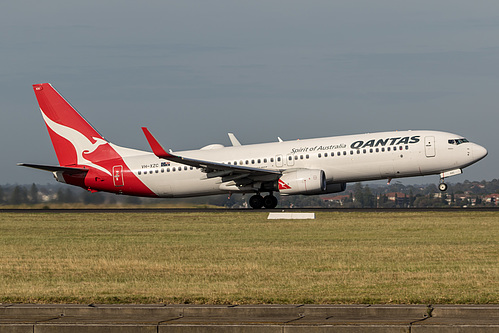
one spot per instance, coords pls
(442, 186)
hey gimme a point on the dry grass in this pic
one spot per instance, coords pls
(240, 257)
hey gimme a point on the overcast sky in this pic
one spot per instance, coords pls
(194, 70)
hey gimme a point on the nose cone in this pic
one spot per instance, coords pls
(479, 152)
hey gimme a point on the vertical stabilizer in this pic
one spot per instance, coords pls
(73, 138)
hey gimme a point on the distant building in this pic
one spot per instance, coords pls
(491, 198)
(400, 199)
(337, 199)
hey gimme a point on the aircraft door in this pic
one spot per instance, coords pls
(118, 175)
(429, 146)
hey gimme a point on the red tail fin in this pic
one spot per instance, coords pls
(70, 133)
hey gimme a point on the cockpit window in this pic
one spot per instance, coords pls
(457, 141)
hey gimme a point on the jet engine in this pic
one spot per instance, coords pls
(303, 181)
(307, 182)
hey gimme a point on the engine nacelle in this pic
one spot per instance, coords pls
(334, 188)
(330, 188)
(303, 181)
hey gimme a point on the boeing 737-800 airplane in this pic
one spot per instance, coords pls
(312, 166)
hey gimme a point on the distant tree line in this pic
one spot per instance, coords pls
(395, 195)
(398, 195)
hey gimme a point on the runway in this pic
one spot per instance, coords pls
(249, 318)
(248, 210)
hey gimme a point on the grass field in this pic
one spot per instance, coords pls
(241, 257)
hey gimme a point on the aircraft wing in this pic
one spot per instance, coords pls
(54, 168)
(213, 169)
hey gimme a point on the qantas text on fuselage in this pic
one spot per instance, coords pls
(311, 166)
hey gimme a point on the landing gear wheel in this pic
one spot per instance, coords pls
(269, 201)
(256, 201)
(442, 187)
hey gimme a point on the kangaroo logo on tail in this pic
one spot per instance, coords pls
(80, 142)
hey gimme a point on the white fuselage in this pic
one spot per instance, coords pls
(351, 158)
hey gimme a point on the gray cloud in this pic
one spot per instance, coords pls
(193, 71)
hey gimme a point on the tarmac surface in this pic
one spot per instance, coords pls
(248, 318)
(225, 210)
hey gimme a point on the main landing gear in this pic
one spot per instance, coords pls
(257, 201)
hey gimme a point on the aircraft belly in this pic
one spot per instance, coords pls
(353, 172)
(363, 169)
(406, 165)
(189, 187)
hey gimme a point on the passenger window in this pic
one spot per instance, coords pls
(319, 155)
(325, 154)
(139, 172)
(388, 149)
(344, 153)
(301, 157)
(406, 147)
(259, 161)
(358, 151)
(382, 150)
(351, 152)
(252, 161)
(394, 148)
(173, 169)
(162, 170)
(150, 172)
(264, 160)
(247, 162)
(377, 150)
(307, 156)
(168, 170)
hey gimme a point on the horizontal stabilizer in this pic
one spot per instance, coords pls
(54, 168)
